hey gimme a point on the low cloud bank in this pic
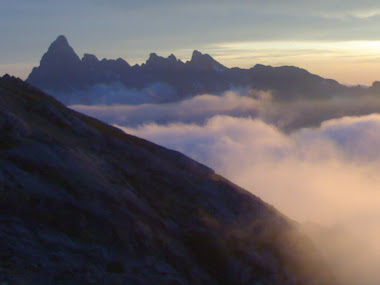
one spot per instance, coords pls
(338, 160)
(326, 175)
(316, 161)
(193, 110)
(287, 116)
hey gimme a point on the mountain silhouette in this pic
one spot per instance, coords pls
(84, 203)
(60, 54)
(64, 75)
(204, 62)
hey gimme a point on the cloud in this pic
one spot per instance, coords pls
(326, 175)
(316, 161)
(287, 116)
(244, 149)
(359, 13)
(196, 109)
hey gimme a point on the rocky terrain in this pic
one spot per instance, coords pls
(84, 203)
(64, 75)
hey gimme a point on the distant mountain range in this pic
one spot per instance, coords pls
(84, 203)
(73, 80)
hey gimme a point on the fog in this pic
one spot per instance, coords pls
(325, 178)
(287, 116)
(317, 162)
(193, 110)
(299, 169)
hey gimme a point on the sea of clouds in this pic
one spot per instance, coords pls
(317, 162)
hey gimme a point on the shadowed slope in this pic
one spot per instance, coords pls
(84, 203)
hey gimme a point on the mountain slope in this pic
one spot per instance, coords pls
(64, 75)
(84, 203)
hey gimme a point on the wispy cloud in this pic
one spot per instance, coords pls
(363, 13)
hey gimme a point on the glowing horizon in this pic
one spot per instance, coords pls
(338, 60)
(329, 38)
(332, 59)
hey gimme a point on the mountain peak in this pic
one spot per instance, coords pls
(153, 55)
(61, 47)
(172, 57)
(58, 66)
(89, 58)
(196, 54)
(61, 43)
(154, 59)
(62, 39)
(160, 62)
(205, 61)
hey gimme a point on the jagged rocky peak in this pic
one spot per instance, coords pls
(59, 69)
(121, 64)
(11, 82)
(172, 58)
(6, 77)
(156, 61)
(61, 72)
(153, 58)
(205, 61)
(198, 55)
(60, 51)
(61, 41)
(89, 58)
(120, 60)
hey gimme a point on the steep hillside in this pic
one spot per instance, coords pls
(83, 203)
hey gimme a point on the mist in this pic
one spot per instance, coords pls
(326, 178)
(315, 161)
(286, 115)
(193, 110)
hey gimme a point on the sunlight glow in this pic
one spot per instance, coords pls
(340, 60)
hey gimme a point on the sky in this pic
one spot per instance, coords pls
(330, 171)
(335, 39)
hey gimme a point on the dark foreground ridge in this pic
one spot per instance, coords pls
(74, 81)
(83, 203)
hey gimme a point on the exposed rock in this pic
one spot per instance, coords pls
(205, 62)
(68, 74)
(90, 59)
(160, 63)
